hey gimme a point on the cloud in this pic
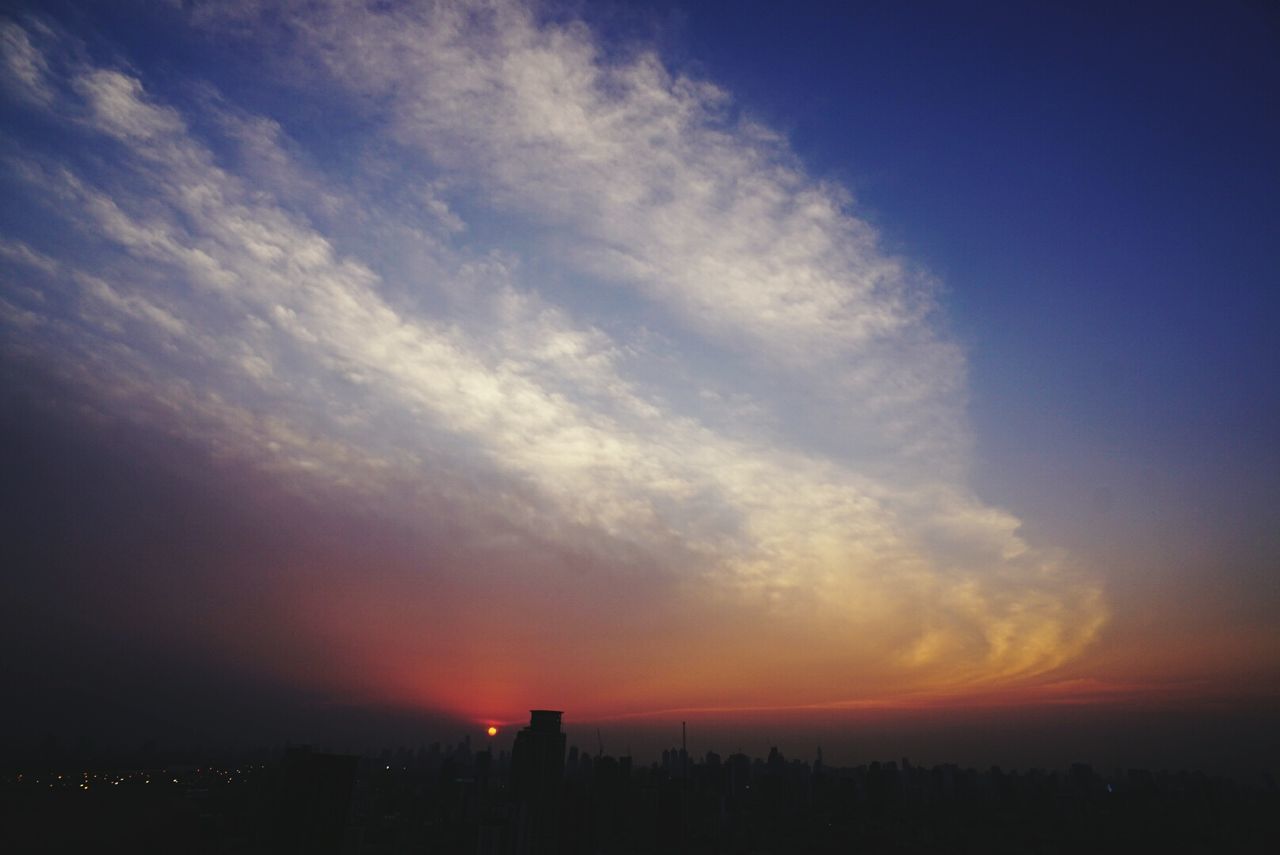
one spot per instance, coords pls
(25, 70)
(777, 448)
(652, 181)
(119, 109)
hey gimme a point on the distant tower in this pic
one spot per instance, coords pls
(537, 775)
(684, 751)
(537, 758)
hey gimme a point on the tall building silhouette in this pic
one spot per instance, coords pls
(313, 806)
(537, 775)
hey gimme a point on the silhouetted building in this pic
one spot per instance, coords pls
(314, 801)
(537, 773)
(306, 803)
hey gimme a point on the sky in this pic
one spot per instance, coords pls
(754, 363)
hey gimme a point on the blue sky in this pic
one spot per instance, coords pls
(1096, 185)
(907, 351)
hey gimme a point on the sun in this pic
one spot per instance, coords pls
(493, 731)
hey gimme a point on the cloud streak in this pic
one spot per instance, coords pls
(581, 290)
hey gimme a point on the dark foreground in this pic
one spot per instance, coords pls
(456, 800)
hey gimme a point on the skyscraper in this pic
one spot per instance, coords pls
(537, 773)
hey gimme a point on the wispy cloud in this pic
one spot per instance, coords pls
(780, 441)
(25, 68)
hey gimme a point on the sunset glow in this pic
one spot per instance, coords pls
(462, 359)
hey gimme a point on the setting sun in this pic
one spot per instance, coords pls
(493, 731)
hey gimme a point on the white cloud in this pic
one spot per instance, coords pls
(651, 183)
(25, 71)
(117, 107)
(224, 301)
(23, 254)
